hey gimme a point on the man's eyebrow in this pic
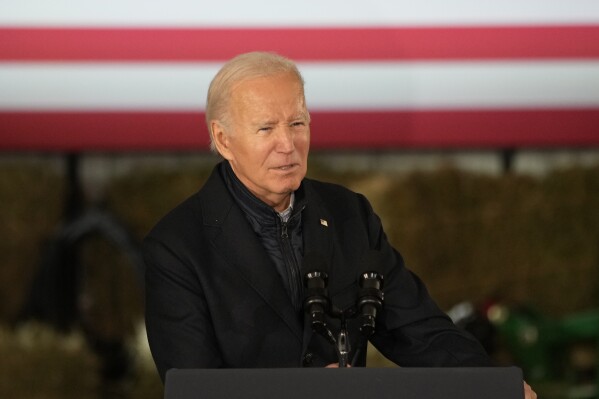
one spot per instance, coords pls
(300, 115)
(263, 122)
(258, 124)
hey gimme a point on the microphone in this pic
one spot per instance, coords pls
(316, 302)
(371, 296)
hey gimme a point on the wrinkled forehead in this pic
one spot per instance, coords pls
(270, 80)
(273, 91)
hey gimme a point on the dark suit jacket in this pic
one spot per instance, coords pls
(214, 298)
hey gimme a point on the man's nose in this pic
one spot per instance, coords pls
(285, 139)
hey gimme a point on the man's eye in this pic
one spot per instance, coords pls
(295, 124)
(265, 129)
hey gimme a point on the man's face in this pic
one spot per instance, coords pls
(267, 137)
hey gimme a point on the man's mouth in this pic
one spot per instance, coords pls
(286, 167)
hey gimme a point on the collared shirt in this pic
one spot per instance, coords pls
(287, 212)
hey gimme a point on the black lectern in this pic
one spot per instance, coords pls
(346, 383)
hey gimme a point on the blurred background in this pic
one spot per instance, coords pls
(472, 126)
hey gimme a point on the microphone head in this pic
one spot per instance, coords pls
(371, 266)
(316, 300)
(370, 296)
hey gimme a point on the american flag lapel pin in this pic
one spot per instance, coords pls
(324, 223)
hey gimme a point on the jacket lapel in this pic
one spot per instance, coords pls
(234, 239)
(319, 228)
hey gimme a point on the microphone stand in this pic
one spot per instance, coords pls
(343, 346)
(317, 305)
(343, 342)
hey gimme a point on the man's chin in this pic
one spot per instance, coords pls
(293, 185)
(290, 182)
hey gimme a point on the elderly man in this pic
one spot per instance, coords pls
(224, 278)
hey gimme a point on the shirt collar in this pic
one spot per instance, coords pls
(287, 212)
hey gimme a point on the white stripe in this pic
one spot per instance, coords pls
(104, 86)
(422, 85)
(307, 12)
(430, 85)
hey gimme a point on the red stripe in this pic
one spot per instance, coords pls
(309, 44)
(139, 131)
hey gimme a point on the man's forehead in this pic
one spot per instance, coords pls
(269, 92)
(246, 85)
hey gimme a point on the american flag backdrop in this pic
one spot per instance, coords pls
(133, 74)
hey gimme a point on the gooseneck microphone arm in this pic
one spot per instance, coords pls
(316, 302)
(370, 297)
(370, 300)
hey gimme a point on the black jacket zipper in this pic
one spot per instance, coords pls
(291, 264)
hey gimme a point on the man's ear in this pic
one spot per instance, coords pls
(221, 139)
